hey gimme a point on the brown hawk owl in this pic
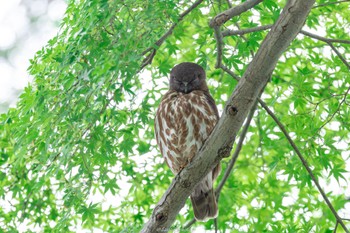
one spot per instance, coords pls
(185, 118)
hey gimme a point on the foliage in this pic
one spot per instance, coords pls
(78, 151)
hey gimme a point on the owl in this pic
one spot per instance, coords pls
(185, 118)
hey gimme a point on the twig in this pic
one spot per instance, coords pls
(223, 17)
(324, 39)
(340, 104)
(245, 39)
(153, 50)
(225, 68)
(189, 224)
(245, 31)
(53, 160)
(304, 162)
(216, 225)
(25, 205)
(330, 3)
(336, 226)
(339, 55)
(260, 131)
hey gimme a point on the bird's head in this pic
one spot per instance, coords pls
(186, 77)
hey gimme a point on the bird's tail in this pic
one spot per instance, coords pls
(204, 200)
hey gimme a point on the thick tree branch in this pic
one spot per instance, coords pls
(223, 17)
(153, 50)
(305, 164)
(219, 143)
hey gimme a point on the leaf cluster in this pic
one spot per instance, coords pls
(78, 151)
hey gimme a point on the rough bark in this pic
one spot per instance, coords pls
(220, 142)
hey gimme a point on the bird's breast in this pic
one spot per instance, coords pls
(183, 123)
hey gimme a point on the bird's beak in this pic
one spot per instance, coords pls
(186, 88)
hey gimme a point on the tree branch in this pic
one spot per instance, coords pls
(305, 164)
(153, 50)
(335, 112)
(336, 226)
(321, 38)
(236, 153)
(219, 143)
(227, 70)
(329, 3)
(219, 46)
(265, 27)
(223, 17)
(189, 224)
(245, 39)
(330, 43)
(245, 31)
(339, 55)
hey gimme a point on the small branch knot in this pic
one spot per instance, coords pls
(218, 20)
(224, 152)
(231, 110)
(161, 217)
(185, 183)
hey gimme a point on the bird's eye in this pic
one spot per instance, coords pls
(172, 77)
